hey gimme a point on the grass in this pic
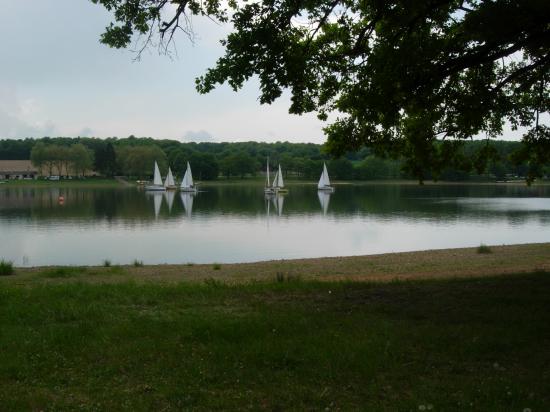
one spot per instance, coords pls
(484, 249)
(64, 272)
(6, 268)
(469, 344)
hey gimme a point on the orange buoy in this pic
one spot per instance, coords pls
(61, 200)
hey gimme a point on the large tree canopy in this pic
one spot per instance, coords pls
(407, 78)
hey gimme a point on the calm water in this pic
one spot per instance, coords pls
(229, 223)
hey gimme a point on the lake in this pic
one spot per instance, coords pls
(235, 222)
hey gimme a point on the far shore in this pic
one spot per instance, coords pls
(253, 180)
(429, 264)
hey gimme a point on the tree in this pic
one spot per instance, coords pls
(38, 156)
(81, 159)
(105, 159)
(139, 160)
(399, 75)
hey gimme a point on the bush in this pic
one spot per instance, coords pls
(484, 249)
(6, 268)
(216, 266)
(138, 263)
(107, 263)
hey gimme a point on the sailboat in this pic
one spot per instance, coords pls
(169, 183)
(187, 181)
(268, 190)
(157, 181)
(324, 181)
(278, 184)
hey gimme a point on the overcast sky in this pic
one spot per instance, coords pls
(56, 79)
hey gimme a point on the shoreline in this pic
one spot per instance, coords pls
(387, 267)
(258, 180)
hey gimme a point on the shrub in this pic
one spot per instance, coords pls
(107, 263)
(484, 249)
(6, 268)
(138, 263)
(216, 266)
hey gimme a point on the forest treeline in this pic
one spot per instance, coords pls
(134, 157)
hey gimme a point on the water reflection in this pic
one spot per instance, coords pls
(187, 202)
(324, 199)
(228, 222)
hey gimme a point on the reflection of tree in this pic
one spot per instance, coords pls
(129, 206)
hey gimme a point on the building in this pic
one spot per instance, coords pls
(17, 169)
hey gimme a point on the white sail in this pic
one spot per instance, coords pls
(280, 182)
(169, 182)
(187, 181)
(276, 179)
(190, 176)
(267, 173)
(169, 194)
(157, 180)
(325, 172)
(324, 199)
(324, 181)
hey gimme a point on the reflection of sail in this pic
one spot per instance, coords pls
(169, 199)
(324, 199)
(187, 200)
(157, 198)
(278, 201)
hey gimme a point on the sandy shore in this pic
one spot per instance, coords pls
(446, 263)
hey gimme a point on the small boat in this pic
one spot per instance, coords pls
(268, 190)
(187, 181)
(157, 181)
(278, 184)
(324, 181)
(169, 183)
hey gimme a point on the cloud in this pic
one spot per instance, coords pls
(198, 136)
(86, 132)
(16, 117)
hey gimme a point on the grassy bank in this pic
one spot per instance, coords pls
(469, 344)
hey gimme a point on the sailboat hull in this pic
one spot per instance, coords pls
(155, 188)
(326, 189)
(171, 187)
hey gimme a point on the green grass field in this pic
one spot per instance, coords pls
(291, 344)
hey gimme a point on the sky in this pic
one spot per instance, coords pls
(56, 79)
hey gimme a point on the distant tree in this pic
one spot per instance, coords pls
(81, 159)
(205, 166)
(139, 160)
(105, 159)
(38, 156)
(238, 164)
(340, 169)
